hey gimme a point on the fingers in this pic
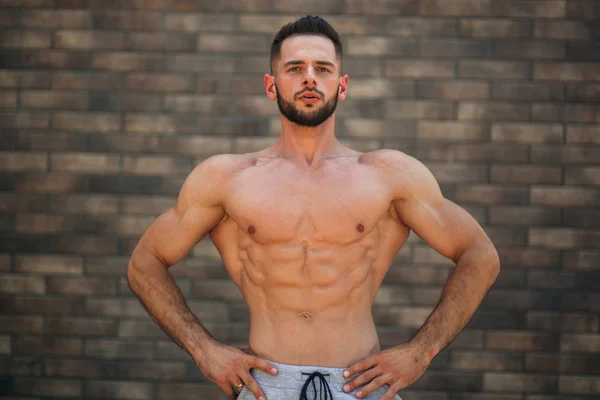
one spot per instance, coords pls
(391, 392)
(252, 385)
(228, 390)
(360, 366)
(375, 383)
(261, 364)
(362, 379)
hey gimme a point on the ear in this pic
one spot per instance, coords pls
(270, 87)
(343, 88)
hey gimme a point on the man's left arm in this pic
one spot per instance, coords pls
(452, 232)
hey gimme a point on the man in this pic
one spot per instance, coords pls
(307, 229)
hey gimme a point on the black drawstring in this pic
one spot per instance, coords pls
(323, 394)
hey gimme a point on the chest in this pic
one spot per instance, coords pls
(335, 204)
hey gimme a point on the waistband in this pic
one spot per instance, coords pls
(294, 376)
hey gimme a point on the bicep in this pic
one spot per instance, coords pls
(197, 211)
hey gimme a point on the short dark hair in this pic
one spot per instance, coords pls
(309, 25)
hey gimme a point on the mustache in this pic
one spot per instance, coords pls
(317, 91)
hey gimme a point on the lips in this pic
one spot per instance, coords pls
(310, 97)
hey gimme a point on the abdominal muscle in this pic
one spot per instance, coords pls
(310, 306)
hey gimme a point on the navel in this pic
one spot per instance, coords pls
(306, 316)
(251, 229)
(360, 228)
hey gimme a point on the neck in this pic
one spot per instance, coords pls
(307, 144)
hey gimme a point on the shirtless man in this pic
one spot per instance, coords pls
(307, 229)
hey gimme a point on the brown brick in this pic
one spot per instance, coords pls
(13, 203)
(493, 111)
(165, 5)
(5, 345)
(419, 69)
(579, 384)
(8, 100)
(589, 342)
(498, 28)
(451, 131)
(380, 7)
(525, 258)
(581, 218)
(24, 79)
(82, 40)
(49, 264)
(563, 238)
(526, 174)
(582, 71)
(418, 109)
(492, 69)
(199, 63)
(515, 382)
(47, 305)
(128, 21)
(564, 196)
(217, 290)
(548, 321)
(453, 90)
(561, 363)
(84, 81)
(17, 162)
(86, 122)
(507, 236)
(465, 48)
(21, 324)
(490, 194)
(530, 9)
(317, 7)
(565, 155)
(56, 19)
(159, 82)
(548, 112)
(51, 141)
(161, 125)
(22, 284)
(562, 30)
(5, 260)
(246, 84)
(456, 8)
(24, 120)
(118, 349)
(527, 133)
(488, 152)
(188, 391)
(47, 346)
(520, 340)
(82, 286)
(524, 216)
(201, 22)
(233, 43)
(40, 223)
(53, 100)
(521, 49)
(583, 176)
(126, 62)
(17, 39)
(8, 18)
(160, 41)
(581, 301)
(583, 92)
(47, 387)
(402, 26)
(84, 204)
(156, 165)
(199, 104)
(582, 113)
(80, 326)
(80, 368)
(582, 260)
(115, 307)
(477, 361)
(586, 9)
(559, 280)
(528, 91)
(458, 173)
(85, 163)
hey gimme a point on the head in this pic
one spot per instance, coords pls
(306, 71)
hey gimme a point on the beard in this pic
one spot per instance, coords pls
(307, 118)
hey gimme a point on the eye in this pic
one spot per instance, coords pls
(293, 69)
(324, 69)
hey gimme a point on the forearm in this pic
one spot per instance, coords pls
(474, 274)
(152, 283)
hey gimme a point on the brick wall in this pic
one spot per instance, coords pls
(107, 105)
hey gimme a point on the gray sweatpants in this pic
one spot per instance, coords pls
(318, 383)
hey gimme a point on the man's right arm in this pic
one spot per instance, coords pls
(166, 241)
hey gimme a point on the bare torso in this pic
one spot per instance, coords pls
(308, 248)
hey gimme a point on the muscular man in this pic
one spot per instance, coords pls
(307, 229)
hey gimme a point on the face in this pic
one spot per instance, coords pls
(307, 83)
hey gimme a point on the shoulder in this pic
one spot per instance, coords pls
(210, 177)
(405, 174)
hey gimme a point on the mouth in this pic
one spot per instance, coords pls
(310, 97)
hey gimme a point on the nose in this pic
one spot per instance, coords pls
(310, 77)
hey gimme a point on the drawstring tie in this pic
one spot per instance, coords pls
(324, 390)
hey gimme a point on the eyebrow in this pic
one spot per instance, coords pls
(299, 62)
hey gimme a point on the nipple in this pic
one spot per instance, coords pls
(360, 228)
(251, 229)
